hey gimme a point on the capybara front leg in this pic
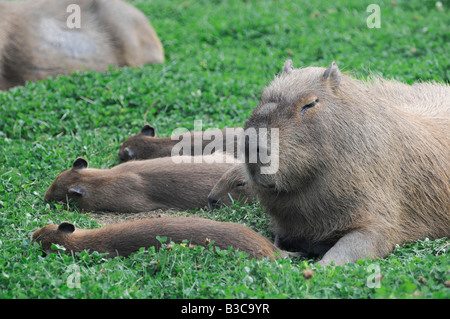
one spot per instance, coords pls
(353, 246)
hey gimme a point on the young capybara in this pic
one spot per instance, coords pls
(145, 144)
(363, 165)
(138, 186)
(41, 38)
(232, 183)
(124, 238)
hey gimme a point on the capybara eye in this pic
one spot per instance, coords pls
(308, 106)
(241, 184)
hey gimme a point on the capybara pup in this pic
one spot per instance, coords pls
(41, 38)
(145, 144)
(232, 183)
(363, 165)
(124, 238)
(138, 186)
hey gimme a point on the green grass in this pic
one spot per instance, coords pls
(220, 55)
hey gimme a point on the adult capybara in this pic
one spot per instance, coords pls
(138, 186)
(41, 38)
(363, 165)
(232, 183)
(145, 144)
(124, 238)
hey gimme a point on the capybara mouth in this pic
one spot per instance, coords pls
(46, 197)
(212, 203)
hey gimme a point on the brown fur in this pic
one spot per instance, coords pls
(138, 185)
(364, 169)
(232, 183)
(122, 239)
(145, 144)
(35, 41)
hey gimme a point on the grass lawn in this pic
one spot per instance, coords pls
(219, 56)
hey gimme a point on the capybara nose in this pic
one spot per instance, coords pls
(46, 197)
(212, 203)
(127, 155)
(131, 153)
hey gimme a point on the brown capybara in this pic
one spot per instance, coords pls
(363, 166)
(124, 238)
(232, 183)
(41, 38)
(145, 144)
(138, 186)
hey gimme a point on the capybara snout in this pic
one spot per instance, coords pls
(127, 154)
(212, 202)
(232, 185)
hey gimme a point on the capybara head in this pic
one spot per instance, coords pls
(142, 145)
(302, 105)
(70, 184)
(52, 234)
(233, 183)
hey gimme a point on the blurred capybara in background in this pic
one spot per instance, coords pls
(363, 165)
(124, 238)
(145, 144)
(41, 38)
(139, 186)
(232, 183)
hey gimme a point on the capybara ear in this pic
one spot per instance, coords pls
(148, 130)
(288, 67)
(77, 190)
(80, 163)
(333, 75)
(66, 227)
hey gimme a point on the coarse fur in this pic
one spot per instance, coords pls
(138, 186)
(36, 40)
(124, 238)
(363, 165)
(146, 145)
(233, 183)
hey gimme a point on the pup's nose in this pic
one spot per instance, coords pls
(212, 203)
(46, 198)
(127, 155)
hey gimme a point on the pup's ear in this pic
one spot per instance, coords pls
(148, 130)
(80, 163)
(66, 227)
